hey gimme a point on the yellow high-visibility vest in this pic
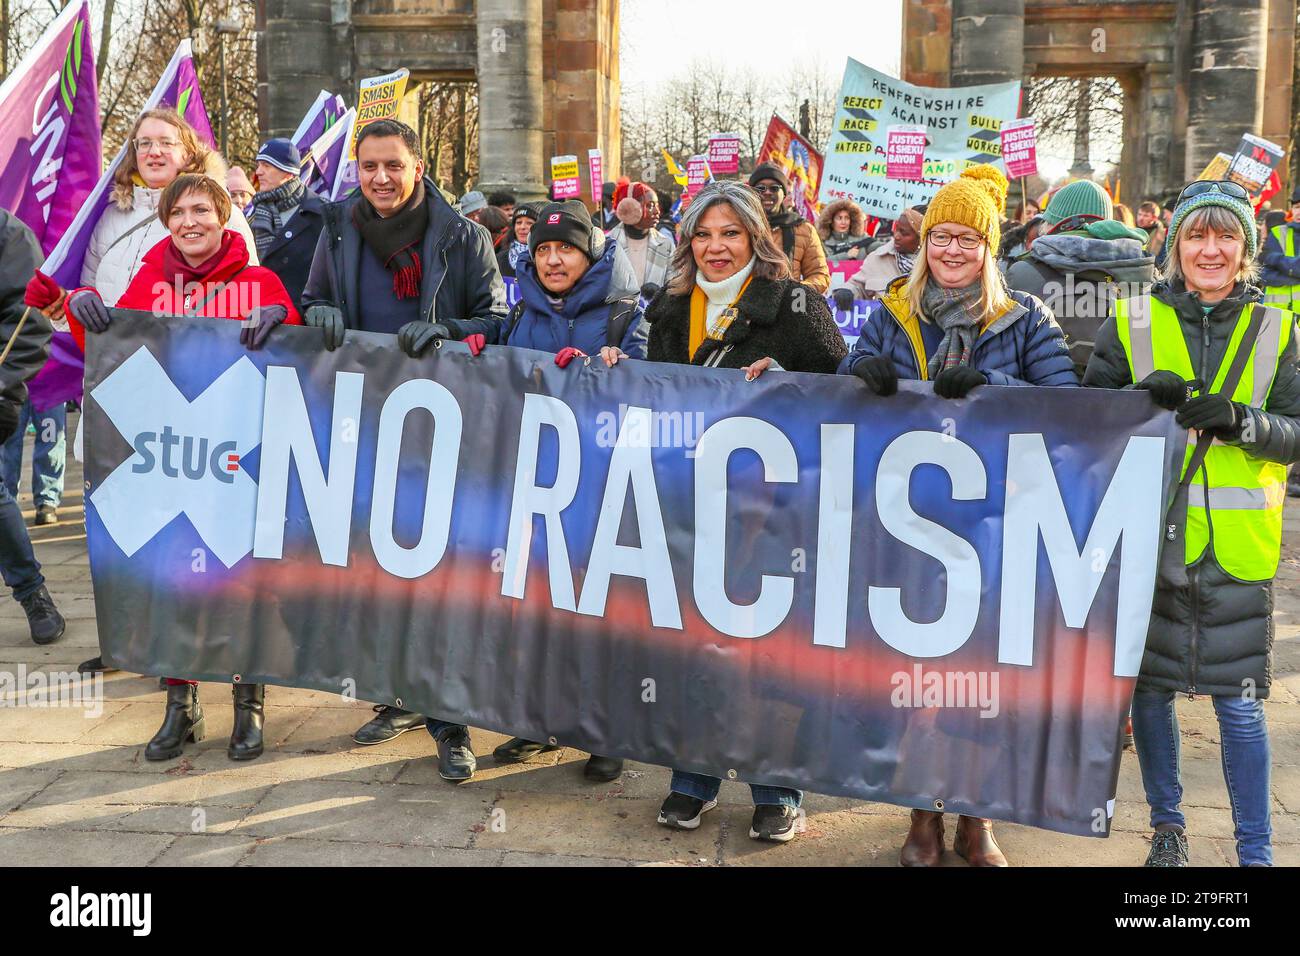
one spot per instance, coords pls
(1284, 296)
(1235, 500)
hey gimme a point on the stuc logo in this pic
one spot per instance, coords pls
(186, 456)
(553, 218)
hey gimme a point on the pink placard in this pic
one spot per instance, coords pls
(905, 152)
(697, 173)
(596, 167)
(564, 177)
(724, 153)
(1020, 147)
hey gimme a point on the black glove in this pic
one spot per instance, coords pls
(330, 321)
(843, 299)
(956, 382)
(414, 338)
(88, 308)
(1167, 389)
(8, 419)
(879, 374)
(1212, 413)
(259, 324)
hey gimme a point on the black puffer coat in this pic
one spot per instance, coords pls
(20, 257)
(800, 339)
(1214, 636)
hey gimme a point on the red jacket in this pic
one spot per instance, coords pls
(230, 290)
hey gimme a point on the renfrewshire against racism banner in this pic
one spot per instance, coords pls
(963, 124)
(906, 599)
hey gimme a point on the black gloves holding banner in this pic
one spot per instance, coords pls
(330, 321)
(879, 374)
(1167, 389)
(957, 381)
(414, 338)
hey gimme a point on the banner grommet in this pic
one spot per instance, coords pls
(938, 805)
(731, 775)
(551, 741)
(398, 702)
(236, 678)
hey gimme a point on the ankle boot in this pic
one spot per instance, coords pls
(246, 736)
(182, 722)
(975, 844)
(924, 843)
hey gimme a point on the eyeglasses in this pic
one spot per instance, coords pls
(1225, 186)
(774, 188)
(147, 145)
(966, 240)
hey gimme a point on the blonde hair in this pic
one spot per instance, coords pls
(200, 159)
(769, 261)
(1216, 219)
(994, 297)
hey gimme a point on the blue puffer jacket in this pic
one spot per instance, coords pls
(1276, 267)
(582, 317)
(1029, 351)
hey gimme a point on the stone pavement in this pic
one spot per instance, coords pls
(76, 790)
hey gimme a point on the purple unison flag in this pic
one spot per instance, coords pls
(49, 128)
(326, 173)
(322, 116)
(178, 87)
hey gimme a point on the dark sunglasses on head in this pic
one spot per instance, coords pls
(1225, 186)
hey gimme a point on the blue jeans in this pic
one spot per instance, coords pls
(703, 787)
(18, 564)
(1245, 766)
(49, 454)
(436, 727)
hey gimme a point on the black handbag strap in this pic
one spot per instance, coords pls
(1235, 370)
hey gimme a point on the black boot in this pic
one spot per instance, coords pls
(43, 618)
(182, 722)
(246, 736)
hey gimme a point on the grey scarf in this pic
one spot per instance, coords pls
(957, 312)
(270, 209)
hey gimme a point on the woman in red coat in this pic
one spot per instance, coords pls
(201, 270)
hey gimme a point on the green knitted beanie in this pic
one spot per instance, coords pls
(1082, 197)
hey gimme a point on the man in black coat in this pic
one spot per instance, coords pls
(25, 338)
(286, 217)
(396, 258)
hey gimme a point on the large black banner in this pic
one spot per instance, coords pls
(790, 580)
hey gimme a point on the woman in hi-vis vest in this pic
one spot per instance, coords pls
(1203, 342)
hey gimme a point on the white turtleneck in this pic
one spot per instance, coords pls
(721, 294)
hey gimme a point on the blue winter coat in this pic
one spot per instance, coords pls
(1276, 267)
(581, 320)
(1029, 351)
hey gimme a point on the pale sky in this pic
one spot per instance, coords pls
(661, 36)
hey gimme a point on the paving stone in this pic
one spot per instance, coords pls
(205, 850)
(65, 847)
(302, 852)
(368, 813)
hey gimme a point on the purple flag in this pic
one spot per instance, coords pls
(322, 116)
(329, 173)
(49, 128)
(178, 87)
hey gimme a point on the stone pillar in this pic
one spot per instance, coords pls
(988, 41)
(510, 96)
(294, 61)
(1226, 88)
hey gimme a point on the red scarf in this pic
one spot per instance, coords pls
(174, 263)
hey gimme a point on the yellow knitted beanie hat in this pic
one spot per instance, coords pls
(976, 199)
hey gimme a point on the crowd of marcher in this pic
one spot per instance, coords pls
(1179, 303)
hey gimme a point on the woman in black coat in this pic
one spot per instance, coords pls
(730, 303)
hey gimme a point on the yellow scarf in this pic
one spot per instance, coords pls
(699, 307)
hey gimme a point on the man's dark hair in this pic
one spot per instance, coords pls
(502, 199)
(391, 127)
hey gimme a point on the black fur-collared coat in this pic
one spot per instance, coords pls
(780, 319)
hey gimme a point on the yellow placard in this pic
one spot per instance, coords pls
(378, 97)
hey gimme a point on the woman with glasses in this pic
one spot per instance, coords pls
(954, 322)
(730, 303)
(162, 146)
(1203, 343)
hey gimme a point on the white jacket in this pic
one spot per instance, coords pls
(113, 257)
